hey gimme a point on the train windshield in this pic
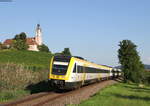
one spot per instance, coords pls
(60, 65)
(59, 68)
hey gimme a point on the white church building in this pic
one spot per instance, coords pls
(33, 42)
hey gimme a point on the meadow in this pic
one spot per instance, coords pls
(23, 73)
(30, 59)
(121, 94)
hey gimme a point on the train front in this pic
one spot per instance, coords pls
(58, 71)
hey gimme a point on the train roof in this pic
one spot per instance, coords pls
(106, 65)
(67, 58)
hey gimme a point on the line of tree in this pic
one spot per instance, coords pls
(131, 65)
(65, 52)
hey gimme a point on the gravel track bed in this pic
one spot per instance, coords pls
(62, 99)
(75, 97)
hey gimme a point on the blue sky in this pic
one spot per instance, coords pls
(90, 28)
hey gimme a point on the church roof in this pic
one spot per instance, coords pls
(29, 41)
(8, 42)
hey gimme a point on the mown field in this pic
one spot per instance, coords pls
(23, 73)
(120, 95)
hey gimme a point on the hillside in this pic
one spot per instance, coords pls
(29, 59)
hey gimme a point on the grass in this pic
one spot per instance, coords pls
(12, 94)
(120, 95)
(23, 73)
(30, 59)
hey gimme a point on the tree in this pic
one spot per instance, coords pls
(130, 62)
(20, 41)
(20, 45)
(43, 48)
(58, 54)
(21, 36)
(0, 45)
(17, 37)
(66, 52)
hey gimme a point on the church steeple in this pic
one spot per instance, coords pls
(38, 26)
(38, 36)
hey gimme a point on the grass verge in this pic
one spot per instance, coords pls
(120, 95)
(12, 94)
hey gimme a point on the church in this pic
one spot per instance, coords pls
(32, 42)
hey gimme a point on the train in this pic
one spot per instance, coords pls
(71, 72)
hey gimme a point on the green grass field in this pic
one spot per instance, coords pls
(31, 59)
(120, 95)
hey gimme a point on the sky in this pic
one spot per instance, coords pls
(90, 28)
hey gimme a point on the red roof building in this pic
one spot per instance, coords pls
(31, 42)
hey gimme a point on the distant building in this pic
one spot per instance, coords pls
(33, 42)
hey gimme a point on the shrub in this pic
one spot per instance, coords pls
(43, 48)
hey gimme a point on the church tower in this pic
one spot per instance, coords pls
(38, 36)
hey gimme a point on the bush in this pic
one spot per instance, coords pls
(43, 48)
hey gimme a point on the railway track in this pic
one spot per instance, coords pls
(35, 100)
(60, 99)
(26, 99)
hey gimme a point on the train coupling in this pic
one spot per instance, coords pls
(58, 83)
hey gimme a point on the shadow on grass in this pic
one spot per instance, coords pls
(43, 86)
(132, 97)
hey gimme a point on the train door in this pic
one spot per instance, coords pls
(99, 77)
(84, 74)
(113, 73)
(75, 75)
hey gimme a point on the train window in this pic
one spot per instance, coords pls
(82, 69)
(62, 58)
(59, 69)
(79, 69)
(74, 69)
